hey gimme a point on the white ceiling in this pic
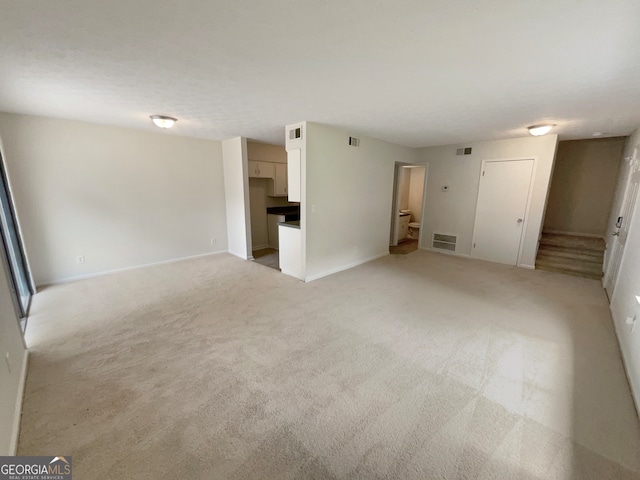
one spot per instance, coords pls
(417, 73)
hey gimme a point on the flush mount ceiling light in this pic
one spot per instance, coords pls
(162, 121)
(537, 130)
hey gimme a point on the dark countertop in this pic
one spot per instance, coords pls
(292, 210)
(290, 224)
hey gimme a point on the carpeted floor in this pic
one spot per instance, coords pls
(269, 257)
(407, 246)
(420, 366)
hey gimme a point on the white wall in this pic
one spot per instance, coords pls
(416, 189)
(453, 212)
(265, 152)
(236, 185)
(258, 207)
(405, 182)
(119, 197)
(623, 303)
(348, 198)
(583, 184)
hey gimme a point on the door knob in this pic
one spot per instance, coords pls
(519, 220)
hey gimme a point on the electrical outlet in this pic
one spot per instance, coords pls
(214, 241)
(80, 259)
(7, 359)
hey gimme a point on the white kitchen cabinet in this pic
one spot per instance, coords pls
(403, 227)
(261, 169)
(279, 186)
(290, 256)
(294, 179)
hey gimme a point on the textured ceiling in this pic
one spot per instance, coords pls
(417, 73)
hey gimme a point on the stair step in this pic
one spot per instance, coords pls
(574, 253)
(568, 272)
(573, 241)
(570, 265)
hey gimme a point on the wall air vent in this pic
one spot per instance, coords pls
(354, 142)
(444, 242)
(463, 151)
(295, 133)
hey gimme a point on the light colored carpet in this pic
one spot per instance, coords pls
(407, 246)
(271, 259)
(420, 366)
(571, 255)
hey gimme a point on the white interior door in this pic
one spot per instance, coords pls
(501, 210)
(624, 220)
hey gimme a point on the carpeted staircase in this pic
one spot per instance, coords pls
(571, 254)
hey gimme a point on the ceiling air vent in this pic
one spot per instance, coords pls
(295, 133)
(444, 242)
(354, 142)
(463, 151)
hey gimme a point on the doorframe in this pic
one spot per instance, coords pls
(611, 274)
(395, 219)
(527, 210)
(21, 312)
(395, 200)
(424, 203)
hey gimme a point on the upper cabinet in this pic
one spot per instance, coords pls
(279, 186)
(261, 169)
(274, 171)
(293, 175)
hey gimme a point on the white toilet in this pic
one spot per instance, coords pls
(414, 230)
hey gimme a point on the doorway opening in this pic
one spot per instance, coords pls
(576, 218)
(407, 208)
(20, 279)
(269, 203)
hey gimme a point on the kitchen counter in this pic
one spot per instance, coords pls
(292, 210)
(290, 223)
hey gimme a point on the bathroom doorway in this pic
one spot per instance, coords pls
(408, 205)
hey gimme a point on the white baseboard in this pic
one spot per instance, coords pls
(344, 267)
(466, 255)
(446, 252)
(291, 274)
(577, 234)
(125, 269)
(260, 247)
(17, 416)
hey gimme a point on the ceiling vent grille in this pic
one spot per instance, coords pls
(444, 242)
(463, 151)
(354, 142)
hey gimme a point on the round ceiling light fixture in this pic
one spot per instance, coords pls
(537, 130)
(163, 121)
